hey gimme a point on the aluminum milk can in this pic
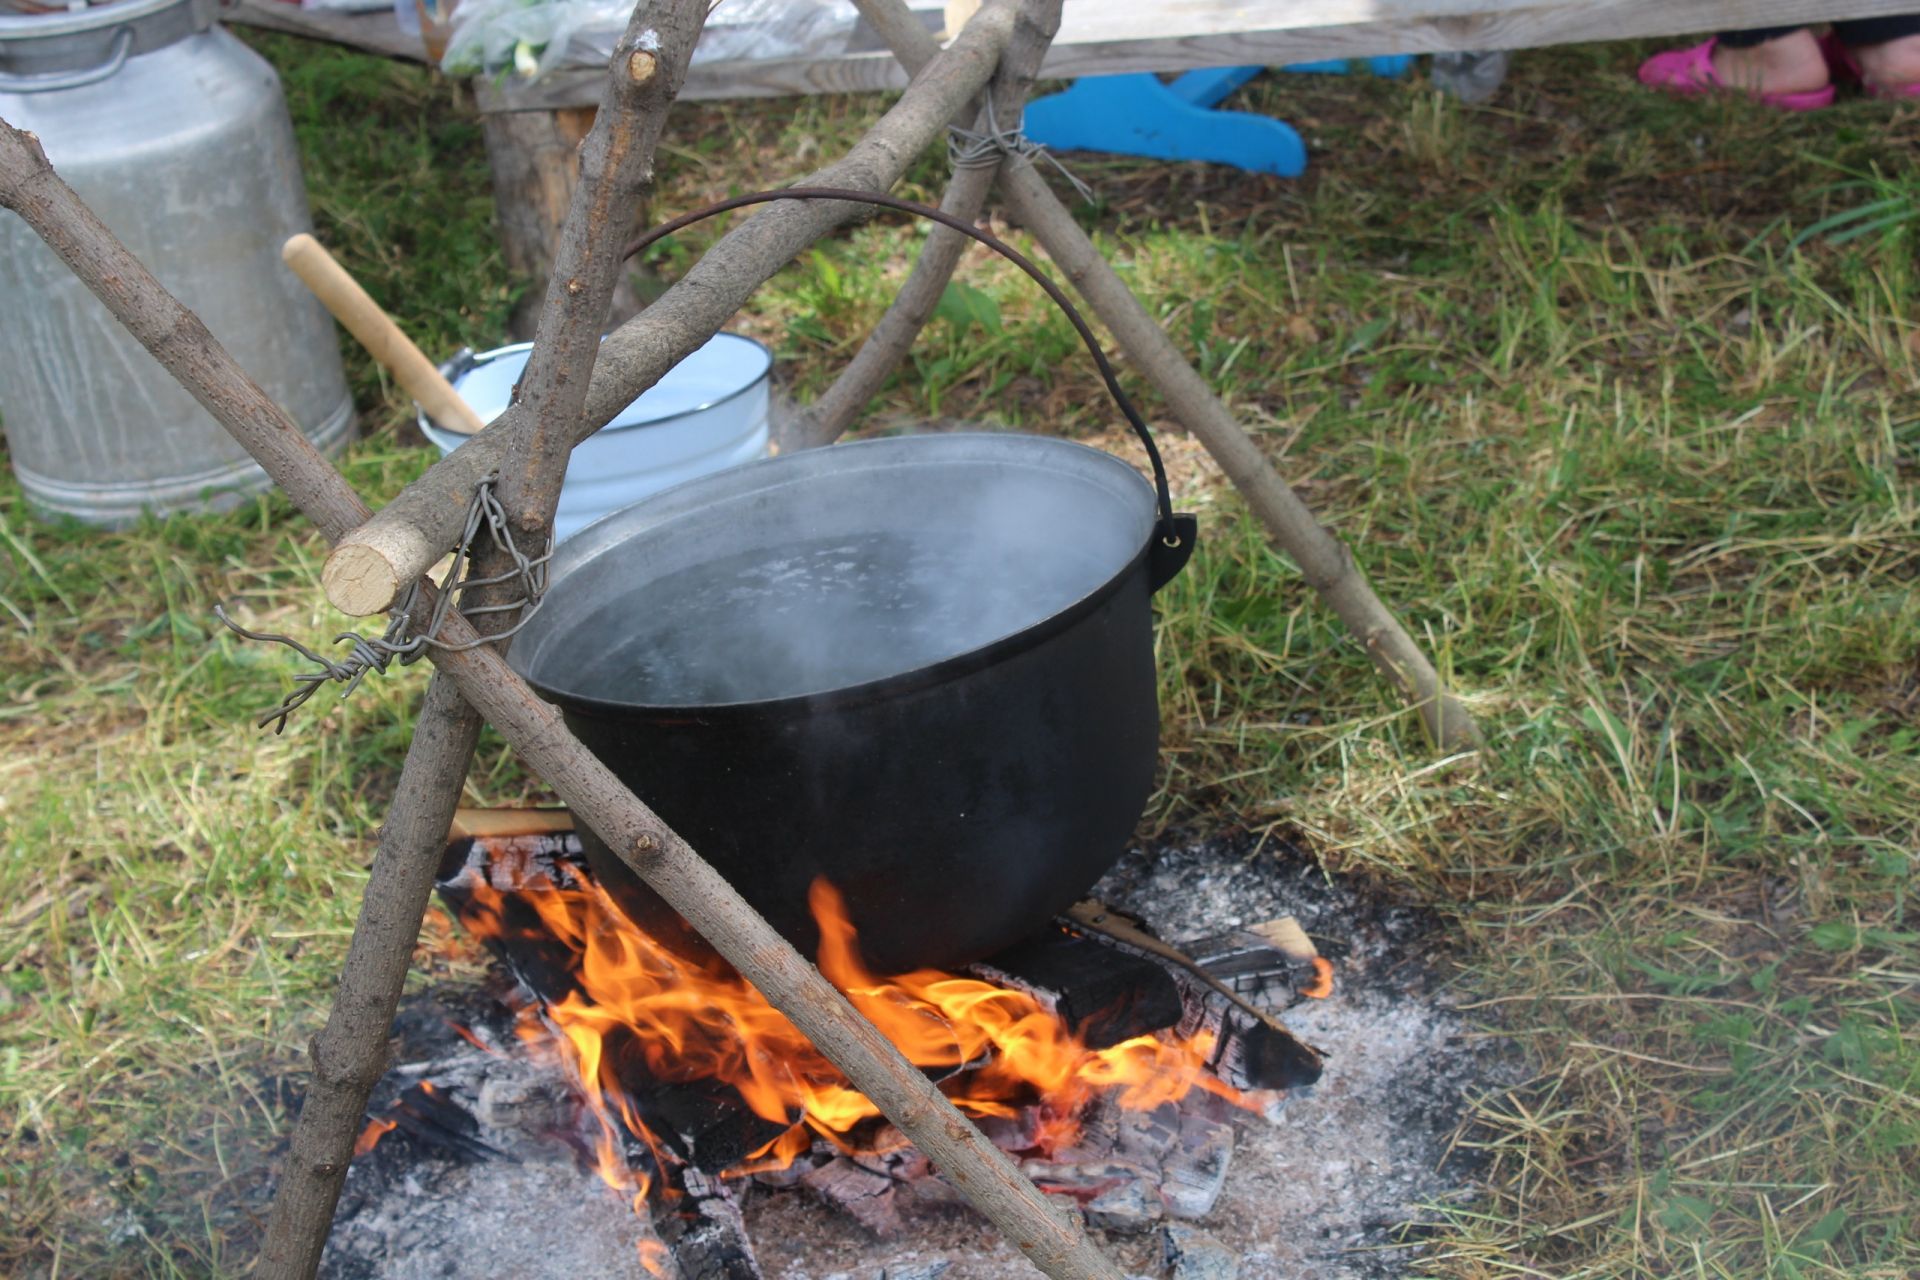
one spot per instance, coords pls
(178, 136)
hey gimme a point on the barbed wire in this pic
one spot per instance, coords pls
(374, 654)
(973, 149)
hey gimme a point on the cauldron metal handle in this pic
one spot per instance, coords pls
(1173, 545)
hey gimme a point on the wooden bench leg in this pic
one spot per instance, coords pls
(535, 158)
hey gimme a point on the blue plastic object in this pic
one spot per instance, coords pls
(1137, 115)
(1210, 87)
(1388, 68)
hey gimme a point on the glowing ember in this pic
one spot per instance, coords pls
(640, 1013)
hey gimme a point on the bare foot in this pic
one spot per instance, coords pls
(1893, 66)
(1791, 64)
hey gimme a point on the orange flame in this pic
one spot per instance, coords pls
(647, 1013)
(1322, 985)
(370, 1136)
(653, 1257)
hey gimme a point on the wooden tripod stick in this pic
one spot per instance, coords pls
(824, 420)
(182, 344)
(349, 1055)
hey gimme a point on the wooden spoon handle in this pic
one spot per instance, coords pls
(362, 317)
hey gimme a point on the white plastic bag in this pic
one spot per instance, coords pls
(763, 30)
(532, 37)
(348, 6)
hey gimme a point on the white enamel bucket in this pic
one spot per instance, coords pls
(708, 413)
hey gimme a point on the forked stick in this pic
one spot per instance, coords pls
(349, 1055)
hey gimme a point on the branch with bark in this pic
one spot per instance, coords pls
(421, 524)
(349, 1054)
(1326, 563)
(823, 421)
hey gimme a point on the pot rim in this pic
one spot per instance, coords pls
(71, 49)
(914, 680)
(467, 360)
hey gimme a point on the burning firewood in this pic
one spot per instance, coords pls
(424, 1112)
(1252, 1049)
(1129, 1022)
(1103, 996)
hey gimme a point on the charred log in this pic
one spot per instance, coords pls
(1252, 1050)
(860, 1193)
(1103, 996)
(699, 1221)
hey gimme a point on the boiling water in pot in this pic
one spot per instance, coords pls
(822, 614)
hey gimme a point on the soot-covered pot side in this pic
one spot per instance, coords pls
(955, 818)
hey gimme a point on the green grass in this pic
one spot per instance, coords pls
(1642, 470)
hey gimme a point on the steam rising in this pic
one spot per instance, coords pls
(804, 588)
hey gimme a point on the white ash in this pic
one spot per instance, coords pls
(414, 1209)
(491, 1218)
(1327, 1183)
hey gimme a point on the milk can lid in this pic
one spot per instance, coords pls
(40, 52)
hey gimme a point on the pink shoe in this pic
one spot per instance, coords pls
(1690, 71)
(1843, 65)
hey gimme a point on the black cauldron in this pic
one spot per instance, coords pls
(920, 667)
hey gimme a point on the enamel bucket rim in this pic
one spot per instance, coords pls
(456, 369)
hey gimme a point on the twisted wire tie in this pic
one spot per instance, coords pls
(973, 149)
(376, 653)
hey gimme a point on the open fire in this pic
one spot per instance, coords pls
(689, 1081)
(639, 1015)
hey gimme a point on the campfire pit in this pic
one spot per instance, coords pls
(1121, 1080)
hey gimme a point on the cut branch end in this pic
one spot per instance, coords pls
(360, 580)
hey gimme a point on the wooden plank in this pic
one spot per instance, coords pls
(1272, 33)
(1108, 24)
(713, 81)
(1106, 37)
